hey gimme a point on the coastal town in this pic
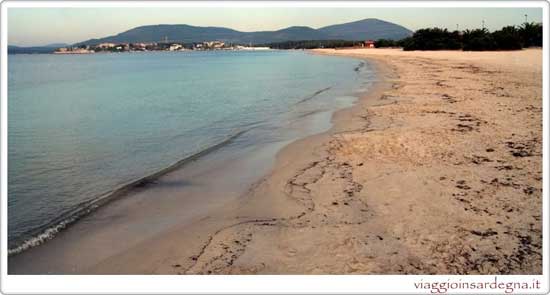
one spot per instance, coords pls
(153, 46)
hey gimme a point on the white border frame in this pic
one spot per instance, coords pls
(271, 284)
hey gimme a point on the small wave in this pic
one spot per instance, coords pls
(49, 231)
(313, 95)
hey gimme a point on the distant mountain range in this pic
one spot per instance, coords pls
(33, 49)
(49, 48)
(359, 30)
(365, 29)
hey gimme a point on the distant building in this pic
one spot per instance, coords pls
(175, 47)
(138, 46)
(72, 50)
(106, 45)
(239, 47)
(213, 44)
(369, 44)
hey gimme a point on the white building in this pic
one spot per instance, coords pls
(214, 44)
(175, 47)
(106, 45)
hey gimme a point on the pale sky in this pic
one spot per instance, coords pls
(41, 26)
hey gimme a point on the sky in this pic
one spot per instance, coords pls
(41, 26)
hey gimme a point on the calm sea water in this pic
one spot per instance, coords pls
(80, 126)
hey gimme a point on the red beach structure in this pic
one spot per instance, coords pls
(369, 44)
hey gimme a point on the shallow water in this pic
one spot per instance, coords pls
(80, 127)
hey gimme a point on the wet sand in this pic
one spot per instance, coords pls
(438, 170)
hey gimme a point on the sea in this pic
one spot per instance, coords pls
(81, 128)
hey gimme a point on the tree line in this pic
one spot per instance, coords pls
(507, 38)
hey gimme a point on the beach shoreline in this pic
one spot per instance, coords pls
(402, 183)
(262, 205)
(61, 254)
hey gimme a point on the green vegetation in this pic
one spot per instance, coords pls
(432, 39)
(382, 43)
(531, 34)
(507, 38)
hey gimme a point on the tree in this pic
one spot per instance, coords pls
(381, 43)
(477, 40)
(507, 38)
(531, 34)
(433, 39)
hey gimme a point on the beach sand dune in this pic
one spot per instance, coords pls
(437, 170)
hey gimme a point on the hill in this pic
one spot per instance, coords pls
(370, 28)
(358, 30)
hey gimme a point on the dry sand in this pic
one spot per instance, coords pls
(437, 171)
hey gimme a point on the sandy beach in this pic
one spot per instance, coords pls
(436, 170)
